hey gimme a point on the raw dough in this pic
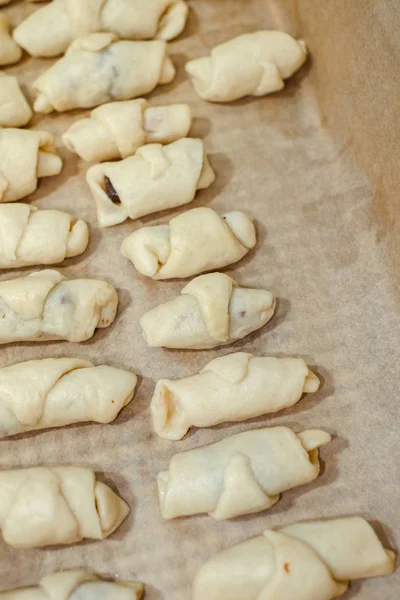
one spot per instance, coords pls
(196, 241)
(43, 506)
(254, 64)
(97, 69)
(51, 29)
(59, 391)
(156, 178)
(10, 52)
(29, 236)
(14, 108)
(306, 561)
(25, 156)
(242, 474)
(77, 585)
(46, 306)
(118, 129)
(234, 387)
(212, 310)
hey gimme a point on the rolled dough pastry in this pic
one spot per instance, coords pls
(254, 64)
(25, 156)
(306, 561)
(51, 29)
(43, 506)
(242, 474)
(211, 311)
(196, 241)
(46, 306)
(10, 52)
(234, 387)
(156, 178)
(118, 129)
(59, 391)
(98, 68)
(29, 236)
(77, 585)
(14, 108)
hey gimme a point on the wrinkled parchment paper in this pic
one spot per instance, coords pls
(316, 166)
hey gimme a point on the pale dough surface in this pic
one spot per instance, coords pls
(234, 387)
(211, 310)
(14, 107)
(242, 474)
(156, 178)
(118, 129)
(46, 306)
(196, 241)
(10, 52)
(30, 236)
(254, 64)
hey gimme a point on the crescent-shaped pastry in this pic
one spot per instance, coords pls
(25, 156)
(10, 52)
(14, 108)
(118, 129)
(42, 506)
(234, 387)
(196, 241)
(98, 68)
(242, 474)
(53, 392)
(307, 561)
(212, 310)
(77, 585)
(46, 306)
(50, 30)
(254, 64)
(156, 178)
(29, 236)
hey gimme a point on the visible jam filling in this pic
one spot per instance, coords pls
(110, 190)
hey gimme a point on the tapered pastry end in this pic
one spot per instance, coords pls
(311, 383)
(78, 238)
(42, 105)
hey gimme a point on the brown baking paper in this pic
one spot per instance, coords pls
(316, 166)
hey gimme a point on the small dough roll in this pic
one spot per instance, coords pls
(243, 474)
(118, 129)
(212, 310)
(97, 69)
(77, 585)
(156, 178)
(29, 236)
(53, 392)
(254, 64)
(50, 30)
(45, 305)
(235, 387)
(25, 156)
(306, 561)
(196, 241)
(10, 52)
(43, 506)
(14, 108)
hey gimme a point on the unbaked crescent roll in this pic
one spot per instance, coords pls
(46, 306)
(196, 241)
(97, 69)
(212, 310)
(118, 129)
(14, 108)
(43, 506)
(242, 474)
(29, 236)
(156, 178)
(50, 30)
(25, 157)
(254, 64)
(77, 585)
(53, 392)
(305, 561)
(234, 387)
(10, 52)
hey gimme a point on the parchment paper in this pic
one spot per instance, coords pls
(316, 166)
